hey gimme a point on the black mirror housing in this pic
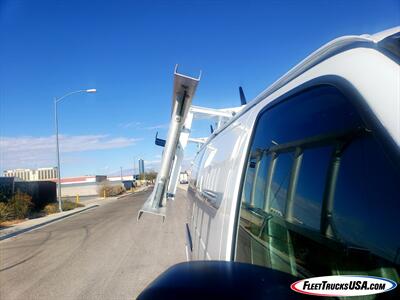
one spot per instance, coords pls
(220, 280)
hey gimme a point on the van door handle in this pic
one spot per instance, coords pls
(209, 195)
(211, 198)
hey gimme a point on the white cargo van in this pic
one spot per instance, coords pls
(306, 179)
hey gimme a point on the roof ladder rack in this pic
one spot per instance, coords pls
(182, 116)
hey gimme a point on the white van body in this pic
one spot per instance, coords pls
(218, 168)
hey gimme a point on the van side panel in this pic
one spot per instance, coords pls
(212, 191)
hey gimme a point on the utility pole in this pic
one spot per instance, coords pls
(58, 157)
(121, 174)
(134, 159)
(56, 101)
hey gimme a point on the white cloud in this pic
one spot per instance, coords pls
(159, 126)
(140, 126)
(130, 125)
(30, 151)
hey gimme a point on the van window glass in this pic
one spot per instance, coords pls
(366, 207)
(258, 192)
(280, 183)
(254, 188)
(332, 210)
(248, 182)
(304, 116)
(310, 187)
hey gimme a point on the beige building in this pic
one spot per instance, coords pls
(32, 174)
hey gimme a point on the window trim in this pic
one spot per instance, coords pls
(338, 139)
(294, 177)
(365, 113)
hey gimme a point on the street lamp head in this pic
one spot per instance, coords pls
(91, 91)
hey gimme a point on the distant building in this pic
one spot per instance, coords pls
(32, 174)
(124, 178)
(141, 166)
(128, 181)
(87, 185)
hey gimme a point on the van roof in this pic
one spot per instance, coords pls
(328, 50)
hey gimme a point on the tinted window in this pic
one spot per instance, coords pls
(367, 200)
(327, 198)
(280, 184)
(258, 193)
(255, 179)
(248, 182)
(317, 111)
(310, 187)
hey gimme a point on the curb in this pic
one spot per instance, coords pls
(132, 193)
(18, 232)
(124, 195)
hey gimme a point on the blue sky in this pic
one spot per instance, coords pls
(128, 50)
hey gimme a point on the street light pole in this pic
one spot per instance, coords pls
(56, 101)
(58, 158)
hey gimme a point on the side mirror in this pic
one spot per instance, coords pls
(220, 280)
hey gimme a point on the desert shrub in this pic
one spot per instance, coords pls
(66, 205)
(51, 208)
(110, 189)
(18, 207)
(4, 212)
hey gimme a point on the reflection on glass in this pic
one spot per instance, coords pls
(367, 195)
(260, 180)
(280, 183)
(365, 205)
(248, 182)
(310, 187)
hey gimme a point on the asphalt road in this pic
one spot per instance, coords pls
(103, 253)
